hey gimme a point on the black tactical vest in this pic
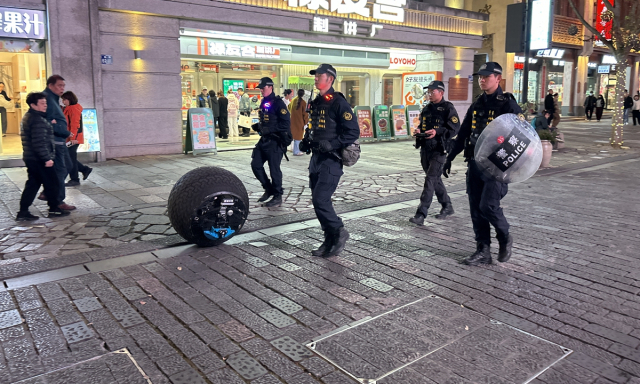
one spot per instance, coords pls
(433, 117)
(269, 113)
(322, 119)
(483, 114)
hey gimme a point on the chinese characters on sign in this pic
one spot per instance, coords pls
(509, 151)
(321, 24)
(389, 10)
(22, 23)
(350, 28)
(413, 84)
(251, 51)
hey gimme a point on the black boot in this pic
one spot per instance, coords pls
(505, 249)
(265, 196)
(325, 246)
(481, 256)
(275, 202)
(447, 210)
(417, 219)
(339, 241)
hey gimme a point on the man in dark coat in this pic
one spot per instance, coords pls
(223, 125)
(589, 105)
(215, 106)
(549, 105)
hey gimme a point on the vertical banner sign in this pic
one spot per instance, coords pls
(201, 137)
(381, 121)
(413, 84)
(603, 27)
(399, 120)
(364, 122)
(542, 24)
(413, 115)
(90, 131)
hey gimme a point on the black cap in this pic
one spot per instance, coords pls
(435, 85)
(264, 82)
(490, 68)
(324, 68)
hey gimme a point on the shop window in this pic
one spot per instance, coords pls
(359, 54)
(377, 55)
(331, 52)
(305, 50)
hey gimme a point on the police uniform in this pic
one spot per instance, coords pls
(333, 127)
(484, 192)
(443, 118)
(273, 128)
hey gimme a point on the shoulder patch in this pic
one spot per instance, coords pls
(347, 116)
(454, 120)
(500, 97)
(283, 111)
(509, 96)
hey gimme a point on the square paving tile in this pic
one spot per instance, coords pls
(87, 304)
(77, 332)
(277, 318)
(433, 334)
(292, 348)
(246, 366)
(375, 284)
(133, 293)
(285, 305)
(10, 318)
(128, 317)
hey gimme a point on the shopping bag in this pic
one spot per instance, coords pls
(244, 121)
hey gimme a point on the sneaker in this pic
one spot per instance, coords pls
(58, 213)
(66, 207)
(275, 202)
(417, 220)
(86, 173)
(26, 216)
(42, 197)
(72, 183)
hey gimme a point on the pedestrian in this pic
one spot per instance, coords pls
(439, 123)
(223, 126)
(288, 95)
(333, 127)
(273, 128)
(628, 106)
(484, 193)
(636, 109)
(299, 118)
(555, 119)
(204, 100)
(215, 107)
(5, 102)
(600, 105)
(245, 109)
(541, 121)
(232, 114)
(73, 113)
(55, 116)
(549, 105)
(38, 154)
(589, 104)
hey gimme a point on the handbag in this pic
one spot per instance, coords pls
(244, 121)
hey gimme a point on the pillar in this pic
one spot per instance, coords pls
(633, 78)
(458, 62)
(580, 90)
(567, 89)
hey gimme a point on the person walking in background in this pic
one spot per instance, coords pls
(549, 105)
(556, 112)
(244, 106)
(215, 107)
(600, 104)
(628, 105)
(232, 114)
(5, 102)
(589, 104)
(38, 154)
(73, 112)
(299, 118)
(223, 127)
(288, 95)
(204, 101)
(636, 109)
(62, 162)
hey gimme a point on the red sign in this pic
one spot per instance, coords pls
(603, 27)
(500, 139)
(364, 121)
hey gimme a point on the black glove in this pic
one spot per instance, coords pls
(325, 146)
(256, 127)
(305, 146)
(446, 171)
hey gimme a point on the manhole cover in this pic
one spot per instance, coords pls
(277, 318)
(246, 365)
(10, 318)
(439, 340)
(285, 305)
(292, 348)
(77, 332)
(87, 304)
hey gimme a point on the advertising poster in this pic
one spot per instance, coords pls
(414, 120)
(399, 121)
(383, 130)
(202, 129)
(413, 84)
(233, 84)
(364, 122)
(90, 131)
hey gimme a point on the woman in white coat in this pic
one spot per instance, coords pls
(232, 114)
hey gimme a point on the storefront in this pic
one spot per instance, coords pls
(23, 35)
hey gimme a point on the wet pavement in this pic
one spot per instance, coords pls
(245, 312)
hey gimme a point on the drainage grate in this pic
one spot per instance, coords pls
(246, 366)
(292, 348)
(277, 318)
(285, 305)
(434, 339)
(10, 318)
(128, 318)
(187, 377)
(256, 261)
(77, 332)
(290, 267)
(87, 304)
(133, 293)
(375, 284)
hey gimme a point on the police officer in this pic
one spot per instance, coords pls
(333, 127)
(439, 123)
(484, 193)
(272, 128)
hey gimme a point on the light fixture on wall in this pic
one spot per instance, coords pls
(137, 55)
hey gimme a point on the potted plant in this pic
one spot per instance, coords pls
(547, 138)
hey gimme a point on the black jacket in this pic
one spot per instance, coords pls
(548, 104)
(223, 103)
(590, 102)
(215, 107)
(37, 137)
(628, 102)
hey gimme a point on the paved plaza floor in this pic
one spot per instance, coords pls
(111, 294)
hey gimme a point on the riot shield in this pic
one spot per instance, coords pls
(508, 150)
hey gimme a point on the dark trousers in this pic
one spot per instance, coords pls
(636, 117)
(3, 118)
(61, 164)
(324, 175)
(270, 152)
(76, 166)
(223, 126)
(244, 129)
(599, 113)
(432, 164)
(588, 112)
(37, 175)
(484, 203)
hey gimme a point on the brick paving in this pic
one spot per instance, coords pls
(219, 315)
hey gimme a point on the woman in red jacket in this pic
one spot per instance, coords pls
(73, 113)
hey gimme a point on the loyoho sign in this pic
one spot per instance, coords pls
(22, 23)
(402, 61)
